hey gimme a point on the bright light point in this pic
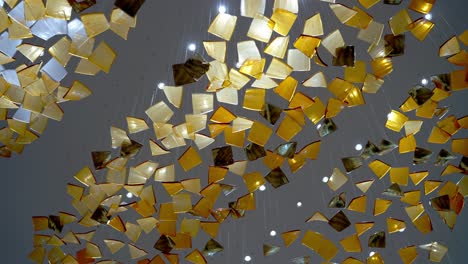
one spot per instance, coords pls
(238, 65)
(372, 253)
(273, 233)
(161, 85)
(424, 81)
(192, 47)
(222, 9)
(247, 258)
(129, 195)
(299, 204)
(358, 147)
(389, 116)
(319, 126)
(428, 16)
(325, 179)
(262, 188)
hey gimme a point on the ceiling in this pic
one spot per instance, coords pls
(35, 182)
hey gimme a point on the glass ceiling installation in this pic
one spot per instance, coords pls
(164, 189)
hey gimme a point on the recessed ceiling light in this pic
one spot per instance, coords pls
(325, 179)
(424, 81)
(319, 126)
(161, 85)
(428, 16)
(272, 233)
(129, 195)
(222, 9)
(372, 253)
(358, 147)
(299, 204)
(247, 258)
(238, 65)
(192, 47)
(262, 188)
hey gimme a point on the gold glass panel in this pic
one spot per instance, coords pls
(261, 28)
(286, 88)
(298, 61)
(399, 175)
(223, 26)
(307, 45)
(356, 74)
(182, 202)
(253, 68)
(337, 179)
(288, 128)
(254, 99)
(408, 254)
(364, 185)
(379, 168)
(412, 197)
(372, 84)
(351, 243)
(450, 47)
(277, 48)
(342, 12)
(253, 181)
(407, 144)
(395, 225)
(234, 138)
(174, 95)
(278, 69)
(259, 133)
(358, 204)
(196, 257)
(421, 28)
(396, 121)
(360, 20)
(421, 6)
(316, 80)
(103, 56)
(313, 26)
(333, 41)
(399, 22)
(381, 206)
(381, 67)
(362, 227)
(283, 20)
(290, 236)
(320, 244)
(190, 159)
(316, 111)
(216, 49)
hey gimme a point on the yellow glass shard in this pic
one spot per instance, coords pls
(31, 52)
(103, 56)
(381, 206)
(261, 28)
(311, 151)
(87, 68)
(421, 6)
(290, 236)
(278, 69)
(277, 48)
(273, 160)
(147, 224)
(399, 23)
(313, 26)
(259, 133)
(136, 252)
(351, 243)
(93, 251)
(376, 258)
(283, 21)
(18, 30)
(307, 45)
(59, 9)
(342, 12)
(174, 95)
(117, 224)
(253, 68)
(414, 211)
(253, 181)
(412, 197)
(286, 88)
(136, 125)
(463, 37)
(320, 244)
(333, 41)
(264, 82)
(460, 146)
(114, 245)
(412, 127)
(362, 227)
(216, 49)
(459, 59)
(458, 80)
(159, 113)
(395, 225)
(451, 169)
(60, 51)
(368, 3)
(358, 204)
(196, 122)
(337, 179)
(360, 20)
(379, 168)
(254, 99)
(288, 128)
(372, 34)
(290, 5)
(356, 74)
(223, 26)
(301, 101)
(396, 121)
(241, 124)
(216, 129)
(85, 176)
(399, 175)
(381, 67)
(316, 111)
(234, 139)
(407, 144)
(421, 28)
(246, 202)
(372, 84)
(196, 257)
(156, 149)
(190, 226)
(364, 185)
(94, 23)
(190, 159)
(211, 228)
(317, 216)
(247, 50)
(438, 136)
(316, 80)
(450, 47)
(408, 254)
(222, 115)
(182, 202)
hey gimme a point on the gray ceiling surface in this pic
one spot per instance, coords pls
(35, 182)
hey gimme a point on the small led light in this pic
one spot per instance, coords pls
(192, 47)
(428, 16)
(372, 253)
(272, 233)
(161, 85)
(325, 179)
(262, 188)
(299, 204)
(222, 9)
(424, 81)
(389, 115)
(129, 195)
(247, 258)
(238, 65)
(319, 126)
(358, 147)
